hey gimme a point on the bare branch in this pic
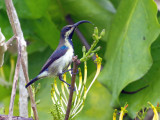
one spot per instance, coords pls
(149, 115)
(14, 86)
(22, 57)
(33, 104)
(76, 62)
(158, 4)
(23, 93)
(5, 117)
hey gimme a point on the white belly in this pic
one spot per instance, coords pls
(60, 64)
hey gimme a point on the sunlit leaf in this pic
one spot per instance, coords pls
(134, 29)
(151, 79)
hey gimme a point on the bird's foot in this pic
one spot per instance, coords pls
(71, 71)
(74, 73)
(70, 88)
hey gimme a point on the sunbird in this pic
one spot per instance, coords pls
(61, 58)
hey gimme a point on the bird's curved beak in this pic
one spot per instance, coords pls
(76, 24)
(80, 22)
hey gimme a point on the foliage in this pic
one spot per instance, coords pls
(130, 51)
(59, 95)
(143, 113)
(55, 112)
(130, 65)
(91, 52)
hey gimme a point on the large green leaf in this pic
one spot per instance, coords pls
(5, 25)
(97, 104)
(29, 8)
(139, 100)
(115, 3)
(134, 29)
(2, 4)
(46, 30)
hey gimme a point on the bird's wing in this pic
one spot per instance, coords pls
(56, 55)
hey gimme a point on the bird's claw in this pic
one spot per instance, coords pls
(74, 73)
(70, 88)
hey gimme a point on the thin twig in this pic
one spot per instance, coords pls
(33, 103)
(14, 86)
(5, 117)
(23, 93)
(149, 115)
(14, 21)
(76, 62)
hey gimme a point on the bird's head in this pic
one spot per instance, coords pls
(67, 31)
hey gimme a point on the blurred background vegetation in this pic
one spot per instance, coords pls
(131, 21)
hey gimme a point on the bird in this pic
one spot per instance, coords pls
(58, 63)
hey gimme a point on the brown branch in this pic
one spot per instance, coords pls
(5, 117)
(76, 62)
(14, 21)
(33, 103)
(149, 115)
(158, 4)
(14, 86)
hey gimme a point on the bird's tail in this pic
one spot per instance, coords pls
(32, 81)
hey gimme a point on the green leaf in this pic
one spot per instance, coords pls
(5, 25)
(36, 45)
(152, 79)
(31, 9)
(2, 4)
(36, 61)
(115, 3)
(46, 30)
(134, 29)
(97, 104)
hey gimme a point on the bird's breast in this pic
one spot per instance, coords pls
(62, 63)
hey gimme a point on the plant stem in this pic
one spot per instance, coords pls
(22, 59)
(33, 103)
(76, 62)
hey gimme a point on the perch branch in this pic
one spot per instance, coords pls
(76, 62)
(33, 103)
(14, 21)
(14, 86)
(5, 117)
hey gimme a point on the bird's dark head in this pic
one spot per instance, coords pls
(67, 31)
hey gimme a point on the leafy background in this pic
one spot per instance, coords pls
(130, 51)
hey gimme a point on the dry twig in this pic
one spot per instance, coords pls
(14, 21)
(76, 62)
